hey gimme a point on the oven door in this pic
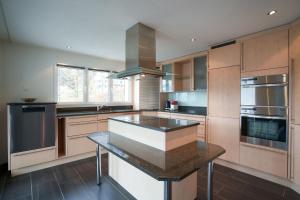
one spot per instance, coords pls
(264, 130)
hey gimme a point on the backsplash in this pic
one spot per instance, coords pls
(196, 98)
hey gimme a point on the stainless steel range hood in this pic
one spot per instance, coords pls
(140, 52)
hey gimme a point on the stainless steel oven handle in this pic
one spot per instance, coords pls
(291, 90)
(264, 85)
(263, 116)
(292, 158)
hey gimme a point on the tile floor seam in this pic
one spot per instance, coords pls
(56, 180)
(31, 192)
(81, 180)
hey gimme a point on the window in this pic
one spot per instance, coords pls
(120, 90)
(84, 85)
(70, 84)
(98, 86)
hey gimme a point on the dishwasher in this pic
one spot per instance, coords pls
(32, 126)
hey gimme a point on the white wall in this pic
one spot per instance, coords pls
(29, 71)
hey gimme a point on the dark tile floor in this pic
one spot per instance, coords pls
(77, 180)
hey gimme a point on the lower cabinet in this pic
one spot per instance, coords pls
(265, 159)
(80, 145)
(226, 133)
(25, 159)
(294, 153)
(103, 125)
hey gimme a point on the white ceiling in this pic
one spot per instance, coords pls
(97, 27)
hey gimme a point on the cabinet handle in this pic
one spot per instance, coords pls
(292, 71)
(292, 153)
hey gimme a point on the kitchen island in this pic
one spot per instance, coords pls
(155, 158)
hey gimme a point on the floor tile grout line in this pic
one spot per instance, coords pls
(81, 179)
(56, 180)
(31, 186)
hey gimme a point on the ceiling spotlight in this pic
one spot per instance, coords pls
(143, 75)
(68, 47)
(272, 12)
(193, 39)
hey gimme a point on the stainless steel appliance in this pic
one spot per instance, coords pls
(32, 126)
(264, 110)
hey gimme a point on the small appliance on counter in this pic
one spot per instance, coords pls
(167, 105)
(173, 105)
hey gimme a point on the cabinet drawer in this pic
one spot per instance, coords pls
(82, 128)
(273, 162)
(103, 125)
(81, 119)
(31, 158)
(80, 145)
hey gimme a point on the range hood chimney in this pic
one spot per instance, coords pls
(140, 52)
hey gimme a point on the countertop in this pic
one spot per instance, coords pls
(173, 165)
(155, 123)
(81, 113)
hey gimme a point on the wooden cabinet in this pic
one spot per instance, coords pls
(226, 133)
(264, 159)
(77, 130)
(266, 51)
(295, 73)
(33, 157)
(294, 153)
(224, 92)
(225, 56)
(164, 114)
(183, 75)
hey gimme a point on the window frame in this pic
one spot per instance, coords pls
(86, 87)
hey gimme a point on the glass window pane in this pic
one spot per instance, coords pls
(70, 84)
(98, 86)
(121, 90)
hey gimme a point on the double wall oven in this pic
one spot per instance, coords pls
(264, 110)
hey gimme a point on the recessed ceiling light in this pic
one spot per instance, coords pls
(272, 12)
(143, 75)
(68, 47)
(193, 39)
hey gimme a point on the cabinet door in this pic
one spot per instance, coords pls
(224, 92)
(226, 133)
(200, 73)
(225, 56)
(167, 80)
(295, 153)
(266, 51)
(295, 73)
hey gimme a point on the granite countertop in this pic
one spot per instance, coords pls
(155, 123)
(80, 113)
(173, 165)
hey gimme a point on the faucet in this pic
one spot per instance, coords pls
(100, 107)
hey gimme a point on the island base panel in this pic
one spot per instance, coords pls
(142, 186)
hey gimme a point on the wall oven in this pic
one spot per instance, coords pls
(264, 110)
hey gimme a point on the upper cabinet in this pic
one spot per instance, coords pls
(266, 51)
(295, 73)
(167, 80)
(200, 73)
(183, 75)
(186, 74)
(226, 56)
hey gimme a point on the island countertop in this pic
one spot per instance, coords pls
(155, 123)
(173, 165)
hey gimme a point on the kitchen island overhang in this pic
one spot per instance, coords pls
(148, 172)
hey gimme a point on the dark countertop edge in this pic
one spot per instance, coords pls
(71, 114)
(151, 174)
(155, 128)
(33, 103)
(182, 112)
